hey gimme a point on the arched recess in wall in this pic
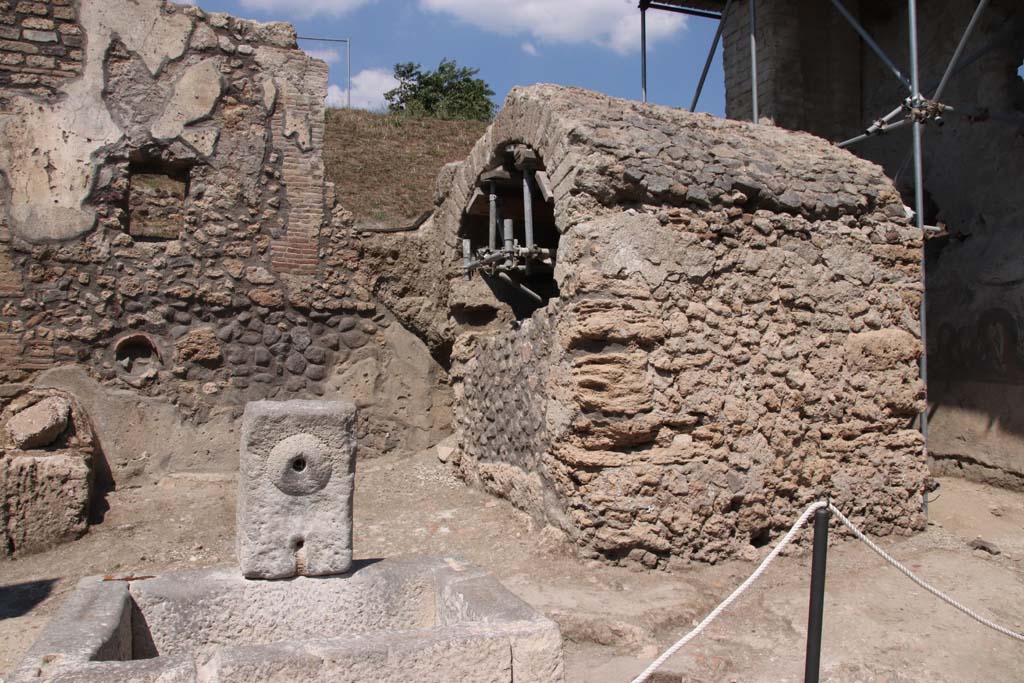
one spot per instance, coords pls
(509, 235)
(135, 353)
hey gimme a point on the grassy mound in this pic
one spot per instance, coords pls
(384, 166)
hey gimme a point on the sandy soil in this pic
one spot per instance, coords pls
(879, 626)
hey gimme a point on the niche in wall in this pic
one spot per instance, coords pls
(156, 197)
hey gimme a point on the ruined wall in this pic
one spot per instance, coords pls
(166, 224)
(973, 167)
(735, 334)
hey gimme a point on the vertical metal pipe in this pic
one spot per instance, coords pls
(960, 49)
(919, 210)
(643, 49)
(348, 66)
(509, 238)
(492, 225)
(467, 256)
(528, 216)
(528, 209)
(816, 611)
(753, 59)
(711, 56)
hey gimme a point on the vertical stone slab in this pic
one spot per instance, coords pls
(296, 475)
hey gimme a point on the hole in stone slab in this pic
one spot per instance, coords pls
(299, 464)
(298, 544)
(475, 317)
(761, 538)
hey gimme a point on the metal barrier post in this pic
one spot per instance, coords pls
(812, 667)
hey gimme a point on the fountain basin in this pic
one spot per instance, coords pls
(401, 619)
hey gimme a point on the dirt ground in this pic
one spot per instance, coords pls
(878, 626)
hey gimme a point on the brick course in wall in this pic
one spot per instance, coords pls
(40, 45)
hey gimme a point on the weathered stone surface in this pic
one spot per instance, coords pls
(45, 494)
(156, 206)
(199, 345)
(161, 186)
(63, 139)
(297, 469)
(730, 341)
(45, 499)
(193, 98)
(425, 619)
(40, 424)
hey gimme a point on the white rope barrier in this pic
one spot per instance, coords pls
(921, 582)
(656, 664)
(786, 540)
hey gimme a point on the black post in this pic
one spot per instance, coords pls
(812, 668)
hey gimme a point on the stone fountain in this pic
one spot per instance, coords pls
(300, 608)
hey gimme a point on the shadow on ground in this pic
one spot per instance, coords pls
(18, 599)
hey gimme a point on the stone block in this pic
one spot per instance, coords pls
(46, 499)
(39, 424)
(297, 470)
(423, 619)
(39, 36)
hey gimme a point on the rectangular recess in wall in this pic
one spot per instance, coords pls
(156, 199)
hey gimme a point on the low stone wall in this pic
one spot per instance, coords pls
(735, 336)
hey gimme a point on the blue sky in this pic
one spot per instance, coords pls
(589, 43)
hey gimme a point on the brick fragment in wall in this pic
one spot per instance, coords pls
(736, 341)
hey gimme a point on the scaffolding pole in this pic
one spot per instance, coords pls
(753, 59)
(643, 49)
(959, 49)
(711, 55)
(919, 207)
(870, 42)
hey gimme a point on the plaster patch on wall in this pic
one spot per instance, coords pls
(50, 180)
(194, 97)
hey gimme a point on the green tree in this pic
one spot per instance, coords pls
(450, 92)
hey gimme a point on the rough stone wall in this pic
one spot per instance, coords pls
(973, 164)
(735, 335)
(165, 223)
(40, 45)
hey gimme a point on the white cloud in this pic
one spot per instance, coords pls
(336, 97)
(614, 24)
(368, 88)
(306, 8)
(329, 55)
(529, 48)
